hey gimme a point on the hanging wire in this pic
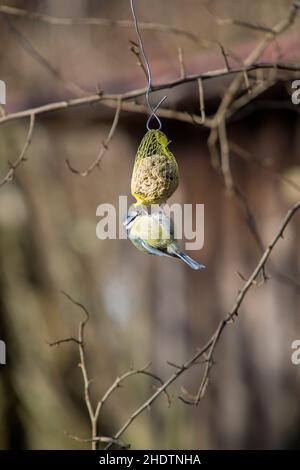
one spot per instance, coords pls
(152, 109)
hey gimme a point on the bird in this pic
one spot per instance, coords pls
(155, 175)
(154, 234)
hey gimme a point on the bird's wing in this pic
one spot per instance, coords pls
(165, 222)
(151, 249)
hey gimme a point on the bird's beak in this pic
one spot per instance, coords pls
(128, 218)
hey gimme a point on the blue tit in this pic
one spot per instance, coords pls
(154, 234)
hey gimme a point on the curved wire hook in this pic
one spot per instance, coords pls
(152, 109)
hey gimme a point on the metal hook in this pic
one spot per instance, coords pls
(152, 110)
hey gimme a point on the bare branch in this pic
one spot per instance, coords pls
(181, 63)
(104, 146)
(22, 157)
(134, 94)
(108, 23)
(133, 107)
(94, 413)
(225, 57)
(64, 340)
(243, 292)
(135, 49)
(245, 24)
(218, 120)
(250, 219)
(118, 382)
(80, 305)
(278, 29)
(225, 162)
(201, 99)
(247, 82)
(103, 439)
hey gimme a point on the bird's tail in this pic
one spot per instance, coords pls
(188, 260)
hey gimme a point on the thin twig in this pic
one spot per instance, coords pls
(83, 365)
(22, 157)
(103, 439)
(92, 21)
(278, 29)
(104, 146)
(237, 22)
(245, 24)
(70, 339)
(119, 380)
(243, 292)
(94, 412)
(225, 56)
(201, 99)
(181, 63)
(225, 161)
(247, 82)
(135, 49)
(218, 121)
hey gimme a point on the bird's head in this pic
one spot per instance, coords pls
(134, 211)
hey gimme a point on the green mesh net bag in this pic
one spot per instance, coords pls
(155, 172)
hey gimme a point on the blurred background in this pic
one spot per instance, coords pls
(144, 308)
